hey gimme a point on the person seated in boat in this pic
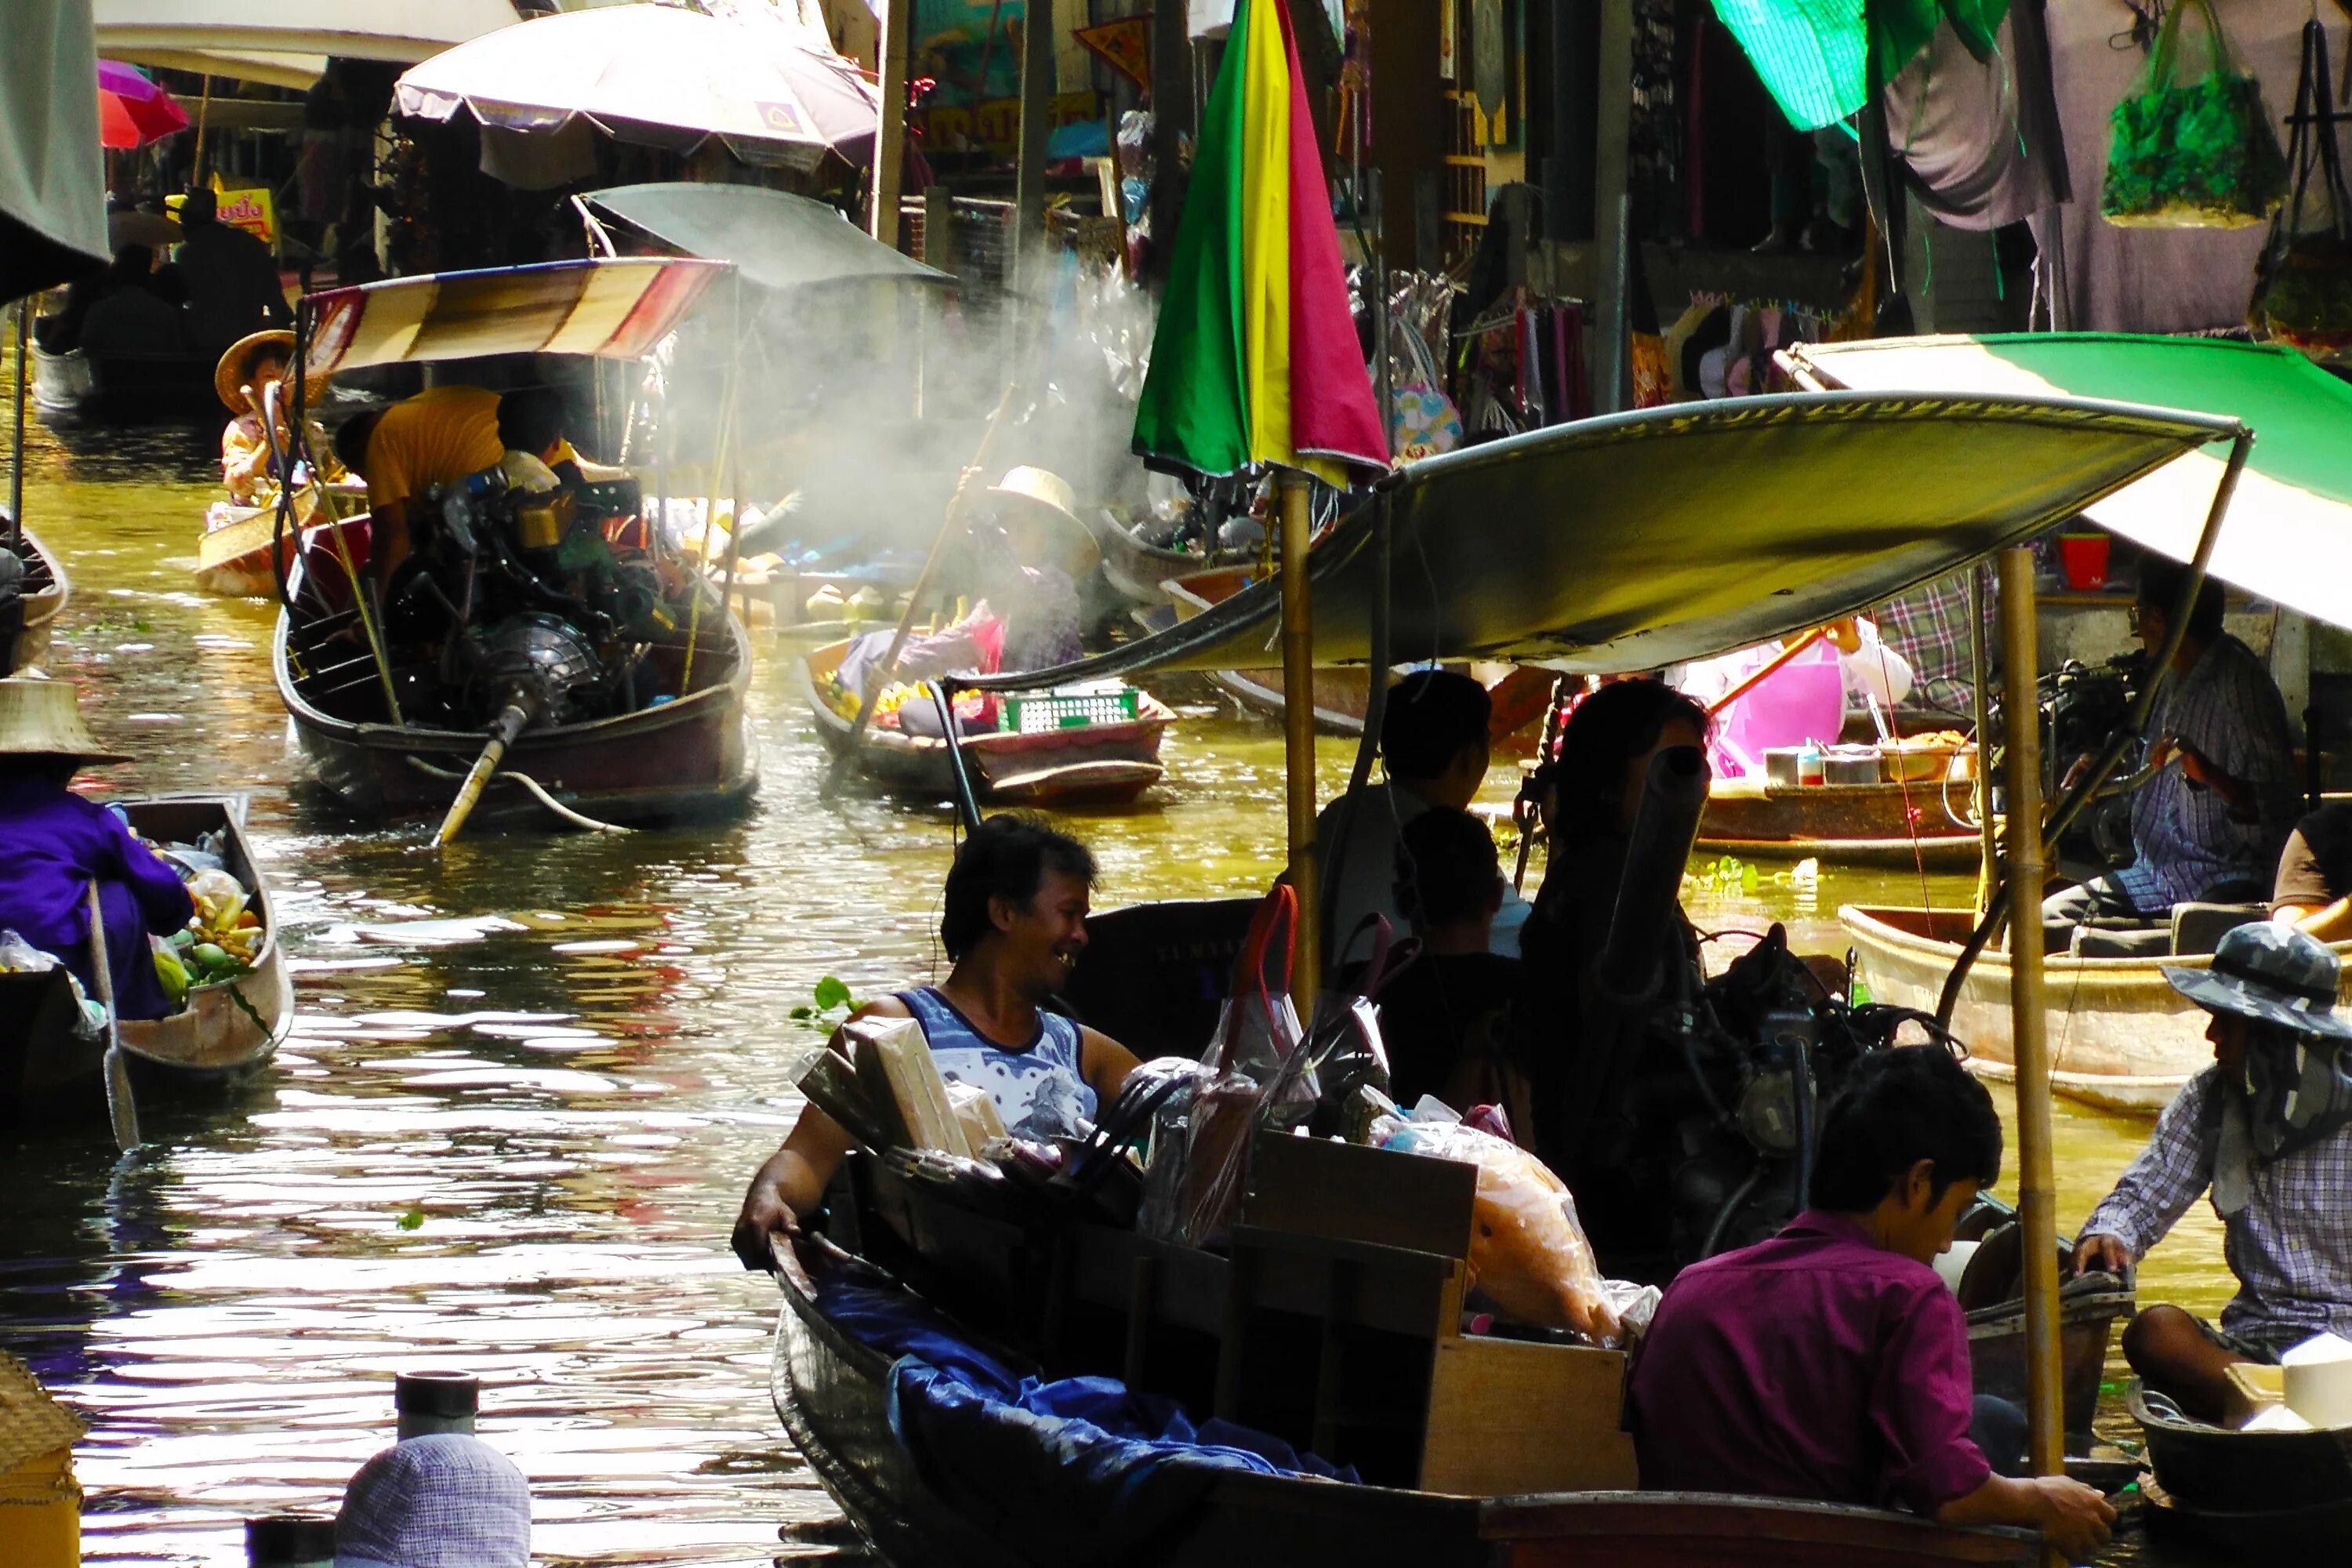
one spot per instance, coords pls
(132, 267)
(2267, 1131)
(1013, 920)
(54, 844)
(1928, 628)
(1028, 552)
(1829, 1363)
(1434, 743)
(2312, 891)
(233, 288)
(2209, 823)
(440, 436)
(132, 318)
(249, 473)
(1444, 1010)
(1805, 699)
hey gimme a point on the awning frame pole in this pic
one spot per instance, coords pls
(2037, 1186)
(1299, 731)
(2070, 805)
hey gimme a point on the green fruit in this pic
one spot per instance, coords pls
(210, 956)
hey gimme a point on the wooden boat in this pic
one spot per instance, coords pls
(233, 556)
(1140, 573)
(2120, 1036)
(219, 1040)
(2269, 1496)
(689, 757)
(1097, 765)
(45, 592)
(833, 1393)
(1852, 825)
(1992, 1293)
(78, 386)
(1340, 695)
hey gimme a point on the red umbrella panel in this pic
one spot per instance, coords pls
(131, 109)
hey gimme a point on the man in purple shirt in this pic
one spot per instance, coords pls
(1829, 1363)
(54, 844)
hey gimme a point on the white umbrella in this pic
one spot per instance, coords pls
(652, 73)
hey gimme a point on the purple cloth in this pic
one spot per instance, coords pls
(52, 843)
(1814, 1366)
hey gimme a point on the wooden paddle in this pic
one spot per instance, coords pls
(1755, 677)
(121, 1110)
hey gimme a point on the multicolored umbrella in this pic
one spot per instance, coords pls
(1255, 358)
(131, 109)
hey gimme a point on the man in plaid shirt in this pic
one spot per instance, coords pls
(1929, 628)
(2268, 1131)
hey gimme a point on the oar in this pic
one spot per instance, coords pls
(513, 720)
(121, 1110)
(1756, 677)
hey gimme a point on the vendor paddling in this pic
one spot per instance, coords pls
(1829, 1363)
(54, 844)
(2312, 890)
(2267, 1130)
(1013, 923)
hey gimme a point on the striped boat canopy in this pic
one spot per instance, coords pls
(613, 308)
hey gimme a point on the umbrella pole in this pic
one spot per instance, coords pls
(16, 466)
(1299, 731)
(2037, 1186)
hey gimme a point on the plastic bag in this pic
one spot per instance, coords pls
(18, 956)
(1258, 1077)
(2302, 293)
(1528, 1250)
(2195, 154)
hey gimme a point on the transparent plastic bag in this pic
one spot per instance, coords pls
(1528, 1250)
(1258, 1077)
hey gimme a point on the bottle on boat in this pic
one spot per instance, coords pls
(290, 1541)
(430, 1401)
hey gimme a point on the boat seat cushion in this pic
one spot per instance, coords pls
(2199, 928)
(2121, 941)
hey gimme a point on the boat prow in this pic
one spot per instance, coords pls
(2121, 1038)
(43, 595)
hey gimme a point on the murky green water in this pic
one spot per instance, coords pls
(565, 1053)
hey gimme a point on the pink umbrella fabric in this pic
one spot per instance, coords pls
(131, 109)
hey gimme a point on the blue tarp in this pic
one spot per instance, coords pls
(1079, 1469)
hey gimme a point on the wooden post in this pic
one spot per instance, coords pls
(17, 463)
(1029, 177)
(1980, 672)
(2037, 1183)
(1171, 120)
(1299, 733)
(890, 134)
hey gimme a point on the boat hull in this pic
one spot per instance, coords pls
(2121, 1038)
(78, 386)
(42, 606)
(2249, 1492)
(233, 560)
(685, 759)
(1099, 765)
(833, 1397)
(1849, 825)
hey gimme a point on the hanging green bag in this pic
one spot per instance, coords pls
(2195, 154)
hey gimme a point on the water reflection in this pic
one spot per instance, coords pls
(526, 1078)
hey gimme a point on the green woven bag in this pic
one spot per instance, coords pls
(2199, 154)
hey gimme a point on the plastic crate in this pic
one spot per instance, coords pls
(1068, 709)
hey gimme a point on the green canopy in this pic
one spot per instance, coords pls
(2289, 535)
(1638, 540)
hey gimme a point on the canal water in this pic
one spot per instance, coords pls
(528, 1077)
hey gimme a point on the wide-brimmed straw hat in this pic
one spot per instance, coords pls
(2273, 974)
(228, 376)
(41, 719)
(1046, 496)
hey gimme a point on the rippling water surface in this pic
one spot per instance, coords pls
(528, 1079)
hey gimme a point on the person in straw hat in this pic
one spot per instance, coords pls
(1029, 552)
(54, 844)
(2267, 1128)
(248, 470)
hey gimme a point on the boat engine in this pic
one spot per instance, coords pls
(2081, 707)
(537, 664)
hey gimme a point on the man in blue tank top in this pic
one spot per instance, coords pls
(1013, 922)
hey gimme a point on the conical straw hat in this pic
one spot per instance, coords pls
(32, 1422)
(41, 719)
(1047, 497)
(228, 382)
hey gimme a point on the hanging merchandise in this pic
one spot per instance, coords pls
(1422, 421)
(2303, 291)
(2194, 154)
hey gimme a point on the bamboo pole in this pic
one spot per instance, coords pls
(896, 34)
(1298, 732)
(16, 466)
(2037, 1183)
(1980, 670)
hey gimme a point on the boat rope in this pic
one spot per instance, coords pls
(537, 792)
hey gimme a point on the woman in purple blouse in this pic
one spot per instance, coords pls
(54, 844)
